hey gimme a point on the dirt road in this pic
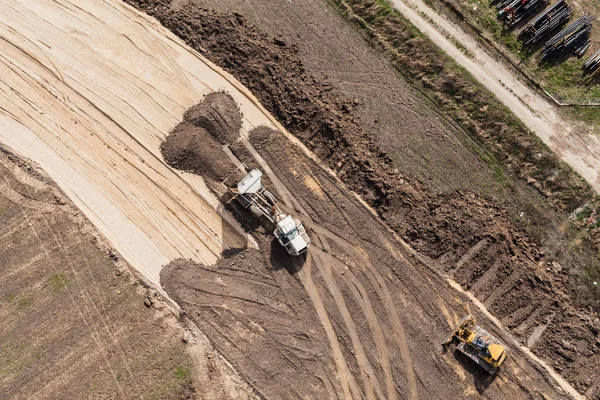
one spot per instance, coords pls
(581, 150)
(89, 91)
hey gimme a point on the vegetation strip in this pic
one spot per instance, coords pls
(459, 96)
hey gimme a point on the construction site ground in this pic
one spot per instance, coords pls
(476, 224)
(93, 91)
(360, 303)
(76, 322)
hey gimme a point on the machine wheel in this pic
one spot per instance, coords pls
(254, 210)
(270, 198)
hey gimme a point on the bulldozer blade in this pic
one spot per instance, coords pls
(473, 354)
(451, 335)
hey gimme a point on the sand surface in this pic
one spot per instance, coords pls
(89, 91)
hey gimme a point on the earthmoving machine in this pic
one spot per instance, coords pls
(478, 344)
(261, 203)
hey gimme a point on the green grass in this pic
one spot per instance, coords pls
(182, 373)
(564, 79)
(590, 115)
(58, 282)
(9, 297)
(25, 302)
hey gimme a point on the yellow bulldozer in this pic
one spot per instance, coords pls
(478, 344)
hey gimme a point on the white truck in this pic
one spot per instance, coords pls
(253, 196)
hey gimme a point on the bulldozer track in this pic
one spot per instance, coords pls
(506, 285)
(486, 279)
(472, 252)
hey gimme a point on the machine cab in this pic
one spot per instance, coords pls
(291, 234)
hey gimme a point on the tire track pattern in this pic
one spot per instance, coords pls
(406, 298)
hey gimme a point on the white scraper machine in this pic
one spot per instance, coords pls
(253, 196)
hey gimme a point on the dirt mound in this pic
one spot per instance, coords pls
(219, 114)
(446, 226)
(195, 144)
(193, 149)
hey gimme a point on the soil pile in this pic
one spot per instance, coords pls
(434, 223)
(445, 226)
(195, 144)
(219, 114)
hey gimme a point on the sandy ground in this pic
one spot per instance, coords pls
(581, 150)
(89, 92)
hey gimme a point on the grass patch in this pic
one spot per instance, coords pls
(562, 78)
(590, 115)
(25, 302)
(458, 94)
(58, 282)
(9, 297)
(182, 373)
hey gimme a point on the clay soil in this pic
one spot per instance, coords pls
(492, 233)
(76, 323)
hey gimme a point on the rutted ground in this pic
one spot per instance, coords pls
(470, 236)
(74, 323)
(356, 304)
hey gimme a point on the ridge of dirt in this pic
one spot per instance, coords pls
(219, 114)
(195, 144)
(442, 225)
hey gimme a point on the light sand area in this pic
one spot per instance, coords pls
(89, 90)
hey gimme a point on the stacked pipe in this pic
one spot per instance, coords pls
(538, 29)
(592, 66)
(574, 37)
(513, 11)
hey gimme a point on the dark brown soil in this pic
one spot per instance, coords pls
(219, 114)
(192, 149)
(266, 311)
(495, 262)
(195, 144)
(275, 342)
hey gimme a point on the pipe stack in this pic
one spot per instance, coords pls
(574, 37)
(542, 26)
(592, 66)
(513, 11)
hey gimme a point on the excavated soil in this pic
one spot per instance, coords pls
(193, 149)
(219, 114)
(356, 318)
(195, 144)
(470, 236)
